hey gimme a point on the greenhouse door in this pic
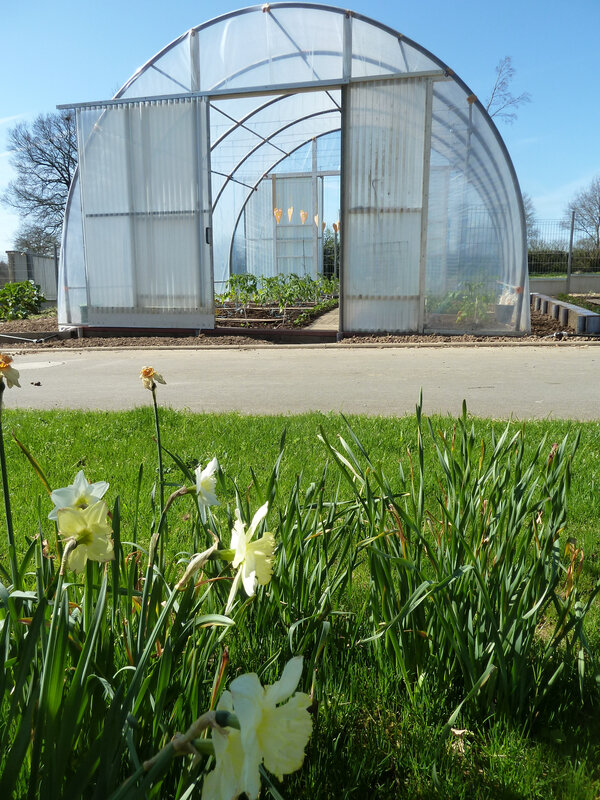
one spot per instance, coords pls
(145, 197)
(385, 150)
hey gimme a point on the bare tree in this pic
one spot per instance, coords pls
(586, 205)
(44, 156)
(35, 239)
(502, 103)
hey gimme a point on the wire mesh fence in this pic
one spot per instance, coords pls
(556, 247)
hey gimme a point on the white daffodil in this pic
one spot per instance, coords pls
(8, 373)
(80, 494)
(253, 558)
(90, 529)
(272, 732)
(206, 482)
(225, 781)
(150, 377)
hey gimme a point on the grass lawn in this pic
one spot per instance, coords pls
(371, 735)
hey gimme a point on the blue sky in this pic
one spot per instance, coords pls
(68, 51)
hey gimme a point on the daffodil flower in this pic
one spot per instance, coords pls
(225, 781)
(150, 377)
(80, 494)
(206, 482)
(90, 529)
(252, 559)
(272, 732)
(8, 373)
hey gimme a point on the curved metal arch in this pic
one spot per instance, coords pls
(262, 177)
(386, 28)
(243, 120)
(267, 141)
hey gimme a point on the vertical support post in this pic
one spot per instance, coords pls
(570, 257)
(82, 184)
(343, 215)
(344, 210)
(425, 201)
(317, 210)
(194, 62)
(335, 253)
(127, 109)
(274, 205)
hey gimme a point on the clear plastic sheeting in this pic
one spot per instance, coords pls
(180, 175)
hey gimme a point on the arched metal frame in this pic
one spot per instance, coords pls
(491, 174)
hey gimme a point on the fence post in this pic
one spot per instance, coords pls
(570, 258)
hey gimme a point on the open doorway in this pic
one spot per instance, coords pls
(276, 228)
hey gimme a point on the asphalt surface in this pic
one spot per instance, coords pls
(522, 382)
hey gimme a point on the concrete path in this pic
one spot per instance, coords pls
(521, 381)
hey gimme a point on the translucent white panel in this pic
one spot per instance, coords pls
(259, 232)
(475, 259)
(170, 73)
(72, 282)
(144, 208)
(378, 52)
(329, 152)
(384, 187)
(110, 260)
(298, 247)
(224, 219)
(253, 48)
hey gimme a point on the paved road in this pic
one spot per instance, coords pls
(524, 382)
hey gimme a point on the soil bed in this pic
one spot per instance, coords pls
(542, 327)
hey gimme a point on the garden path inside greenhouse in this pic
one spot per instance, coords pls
(524, 382)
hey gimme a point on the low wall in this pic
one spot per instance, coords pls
(553, 286)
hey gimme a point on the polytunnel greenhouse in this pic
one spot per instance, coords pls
(241, 145)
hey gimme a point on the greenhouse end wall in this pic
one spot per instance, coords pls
(163, 206)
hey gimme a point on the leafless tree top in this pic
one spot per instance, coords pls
(44, 156)
(502, 103)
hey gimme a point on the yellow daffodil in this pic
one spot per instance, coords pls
(80, 494)
(272, 732)
(90, 528)
(206, 482)
(8, 373)
(150, 377)
(252, 559)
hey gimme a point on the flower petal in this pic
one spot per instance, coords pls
(238, 542)
(249, 578)
(77, 559)
(287, 684)
(290, 726)
(257, 519)
(70, 522)
(262, 552)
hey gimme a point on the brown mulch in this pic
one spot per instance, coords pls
(542, 327)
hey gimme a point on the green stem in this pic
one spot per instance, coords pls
(161, 483)
(12, 550)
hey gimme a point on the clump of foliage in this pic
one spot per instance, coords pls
(281, 291)
(470, 301)
(20, 300)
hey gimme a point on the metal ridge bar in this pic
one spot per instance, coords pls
(257, 91)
